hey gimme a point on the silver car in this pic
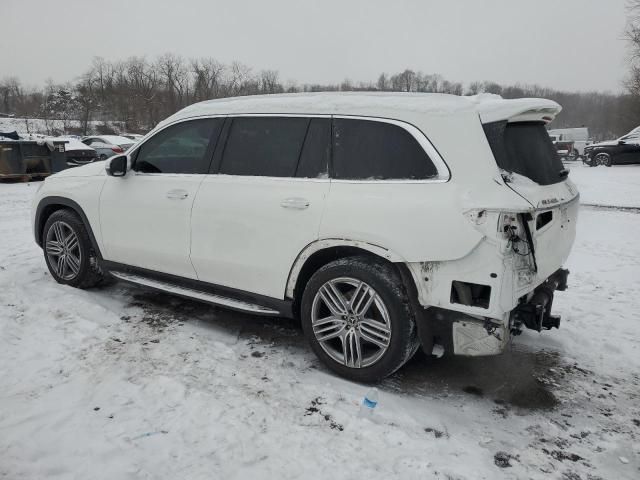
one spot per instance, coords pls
(108, 145)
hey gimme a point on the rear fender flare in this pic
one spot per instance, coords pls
(319, 245)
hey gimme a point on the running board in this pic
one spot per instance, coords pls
(196, 294)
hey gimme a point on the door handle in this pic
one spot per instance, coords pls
(177, 194)
(295, 203)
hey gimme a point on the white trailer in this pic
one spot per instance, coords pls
(579, 136)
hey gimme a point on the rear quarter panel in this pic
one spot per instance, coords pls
(424, 220)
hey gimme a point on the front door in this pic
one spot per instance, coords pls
(146, 215)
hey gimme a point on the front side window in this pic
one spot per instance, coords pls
(180, 148)
(264, 146)
(374, 150)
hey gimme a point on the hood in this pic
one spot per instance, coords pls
(609, 143)
(89, 170)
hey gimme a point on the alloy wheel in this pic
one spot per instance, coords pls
(602, 159)
(63, 250)
(351, 322)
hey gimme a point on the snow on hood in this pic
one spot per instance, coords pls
(72, 144)
(608, 143)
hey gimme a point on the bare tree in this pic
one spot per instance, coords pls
(632, 34)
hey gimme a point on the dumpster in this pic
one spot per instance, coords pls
(25, 159)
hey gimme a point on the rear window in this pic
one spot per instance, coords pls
(366, 149)
(525, 148)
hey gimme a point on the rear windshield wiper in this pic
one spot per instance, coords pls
(564, 173)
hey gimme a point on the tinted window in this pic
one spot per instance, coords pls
(525, 148)
(264, 146)
(181, 148)
(314, 160)
(365, 149)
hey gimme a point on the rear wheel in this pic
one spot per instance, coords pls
(68, 251)
(358, 319)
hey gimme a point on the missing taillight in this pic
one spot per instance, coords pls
(471, 294)
(543, 219)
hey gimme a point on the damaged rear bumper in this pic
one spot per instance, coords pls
(534, 311)
(470, 335)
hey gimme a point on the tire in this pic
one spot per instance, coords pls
(103, 157)
(603, 159)
(572, 155)
(80, 267)
(389, 318)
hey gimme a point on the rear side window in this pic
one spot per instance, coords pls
(367, 149)
(180, 148)
(264, 146)
(525, 148)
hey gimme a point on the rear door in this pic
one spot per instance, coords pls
(263, 203)
(146, 215)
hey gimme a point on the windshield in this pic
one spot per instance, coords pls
(525, 148)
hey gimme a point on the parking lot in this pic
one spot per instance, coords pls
(120, 382)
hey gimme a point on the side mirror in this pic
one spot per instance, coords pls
(117, 166)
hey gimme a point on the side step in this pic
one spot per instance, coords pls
(196, 294)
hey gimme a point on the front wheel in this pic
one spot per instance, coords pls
(68, 251)
(603, 159)
(358, 319)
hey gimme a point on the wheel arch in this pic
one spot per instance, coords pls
(321, 252)
(48, 205)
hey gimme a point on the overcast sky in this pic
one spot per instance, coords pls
(565, 44)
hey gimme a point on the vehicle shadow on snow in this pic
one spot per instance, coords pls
(520, 378)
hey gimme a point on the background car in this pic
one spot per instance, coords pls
(624, 150)
(108, 145)
(77, 153)
(133, 136)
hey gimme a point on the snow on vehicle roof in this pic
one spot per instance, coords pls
(489, 107)
(72, 143)
(116, 139)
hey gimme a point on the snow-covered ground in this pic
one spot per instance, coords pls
(608, 186)
(120, 383)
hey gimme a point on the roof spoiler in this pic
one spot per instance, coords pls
(494, 108)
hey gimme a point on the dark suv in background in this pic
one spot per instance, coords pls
(624, 150)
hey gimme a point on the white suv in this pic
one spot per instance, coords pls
(382, 221)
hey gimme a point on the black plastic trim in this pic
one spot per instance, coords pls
(284, 307)
(63, 202)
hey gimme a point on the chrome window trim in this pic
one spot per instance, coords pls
(444, 174)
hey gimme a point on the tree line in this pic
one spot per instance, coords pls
(138, 93)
